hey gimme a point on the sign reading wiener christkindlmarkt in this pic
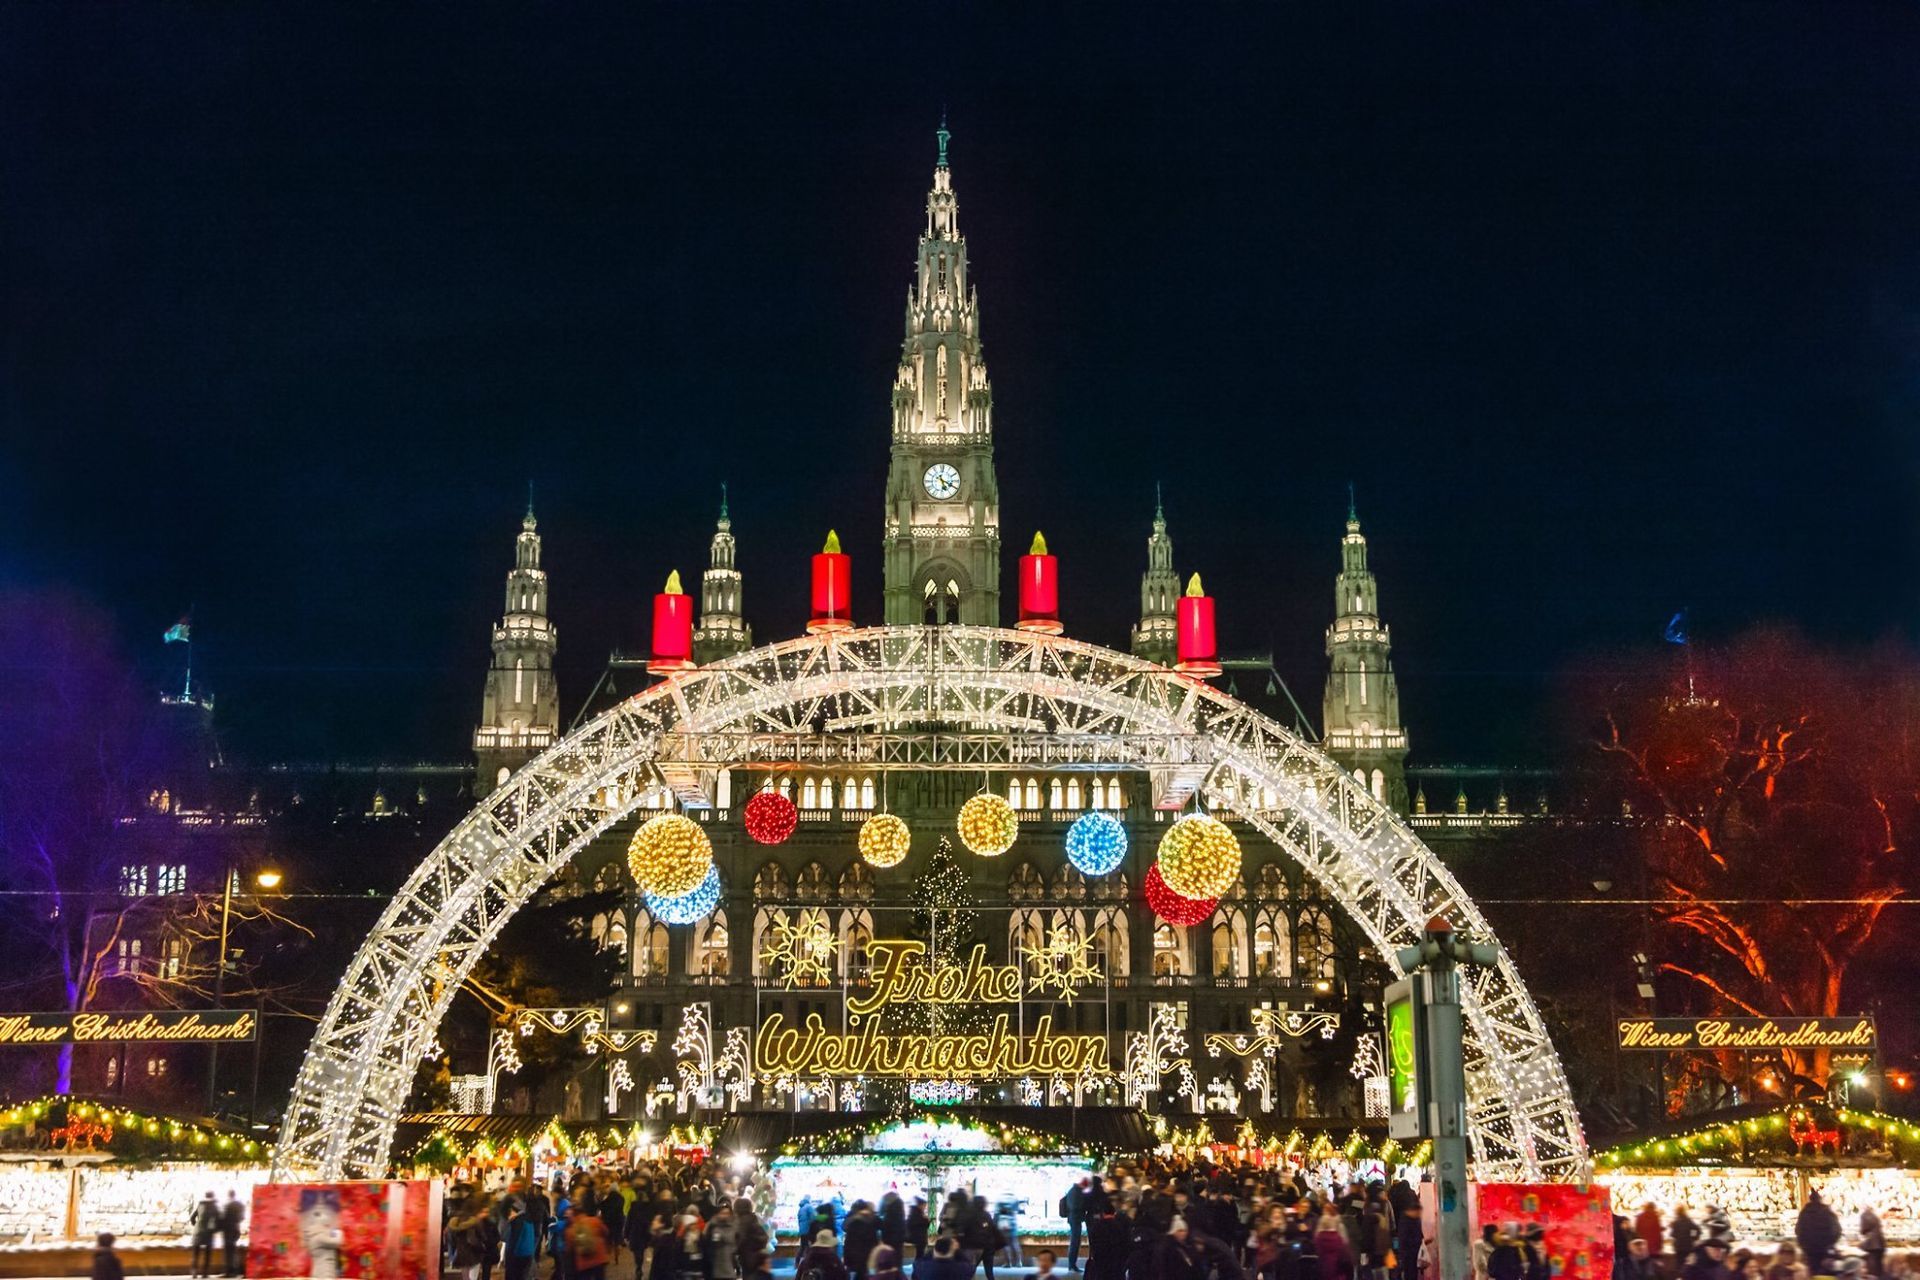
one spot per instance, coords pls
(138, 1026)
(901, 976)
(1746, 1033)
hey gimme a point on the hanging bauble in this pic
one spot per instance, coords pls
(770, 817)
(688, 907)
(1172, 907)
(670, 855)
(1096, 842)
(1199, 858)
(884, 840)
(988, 825)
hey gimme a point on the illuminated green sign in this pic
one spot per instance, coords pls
(1405, 1114)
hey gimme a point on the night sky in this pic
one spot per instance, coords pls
(1606, 310)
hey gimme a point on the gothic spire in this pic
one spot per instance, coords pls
(1153, 635)
(520, 711)
(1361, 709)
(722, 629)
(941, 135)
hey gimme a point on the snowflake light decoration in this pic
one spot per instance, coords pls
(1064, 964)
(803, 947)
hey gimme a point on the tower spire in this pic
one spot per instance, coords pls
(1362, 704)
(1154, 636)
(722, 630)
(520, 711)
(941, 136)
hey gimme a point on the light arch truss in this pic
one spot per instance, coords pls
(969, 688)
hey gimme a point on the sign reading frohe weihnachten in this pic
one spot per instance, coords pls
(901, 976)
(149, 1026)
(1746, 1033)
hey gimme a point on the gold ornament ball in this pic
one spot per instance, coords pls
(670, 855)
(1199, 857)
(988, 825)
(884, 840)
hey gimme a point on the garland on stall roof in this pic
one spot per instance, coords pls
(1791, 1133)
(74, 1126)
(1319, 1149)
(846, 1139)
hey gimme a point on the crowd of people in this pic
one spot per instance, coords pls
(1151, 1219)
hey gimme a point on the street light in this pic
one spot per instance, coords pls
(265, 878)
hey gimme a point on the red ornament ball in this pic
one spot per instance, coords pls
(1173, 908)
(770, 817)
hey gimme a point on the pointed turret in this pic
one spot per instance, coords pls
(1154, 636)
(723, 629)
(942, 528)
(520, 712)
(1362, 704)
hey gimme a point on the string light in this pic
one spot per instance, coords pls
(1199, 858)
(770, 818)
(670, 855)
(688, 907)
(1172, 907)
(884, 840)
(988, 825)
(1096, 843)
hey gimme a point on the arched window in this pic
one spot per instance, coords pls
(1023, 937)
(652, 957)
(856, 883)
(1379, 786)
(1070, 885)
(811, 884)
(1230, 944)
(1115, 800)
(1056, 795)
(1099, 794)
(1273, 885)
(1033, 793)
(1169, 951)
(866, 793)
(1025, 884)
(786, 787)
(763, 921)
(1272, 943)
(809, 794)
(1013, 792)
(850, 795)
(856, 942)
(617, 937)
(712, 960)
(1313, 943)
(770, 884)
(1073, 793)
(1110, 944)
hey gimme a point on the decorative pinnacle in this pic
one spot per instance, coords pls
(833, 544)
(1193, 586)
(1353, 512)
(527, 522)
(942, 135)
(673, 584)
(723, 499)
(1159, 508)
(1039, 547)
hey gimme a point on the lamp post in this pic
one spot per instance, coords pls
(265, 879)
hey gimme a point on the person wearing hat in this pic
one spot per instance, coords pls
(884, 1264)
(822, 1261)
(1709, 1261)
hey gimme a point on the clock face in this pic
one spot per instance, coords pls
(942, 481)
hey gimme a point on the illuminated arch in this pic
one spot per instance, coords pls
(979, 686)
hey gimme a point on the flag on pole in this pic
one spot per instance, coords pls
(1676, 632)
(179, 633)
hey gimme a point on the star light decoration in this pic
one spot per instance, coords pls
(988, 825)
(884, 840)
(1199, 857)
(804, 946)
(670, 855)
(1064, 964)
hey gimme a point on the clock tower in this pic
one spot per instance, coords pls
(942, 541)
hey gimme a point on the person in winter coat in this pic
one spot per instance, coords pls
(721, 1245)
(749, 1232)
(1109, 1240)
(862, 1235)
(1817, 1232)
(1483, 1251)
(1684, 1235)
(944, 1262)
(522, 1240)
(1336, 1256)
(885, 1263)
(893, 1223)
(206, 1224)
(1174, 1256)
(917, 1226)
(1649, 1227)
(1507, 1262)
(1709, 1262)
(820, 1262)
(1408, 1237)
(106, 1263)
(1873, 1240)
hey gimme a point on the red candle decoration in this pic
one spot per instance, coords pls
(1199, 652)
(672, 629)
(1172, 907)
(770, 817)
(832, 588)
(1040, 589)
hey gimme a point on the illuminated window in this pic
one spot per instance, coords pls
(1099, 794)
(170, 879)
(1056, 794)
(1169, 951)
(1114, 799)
(500, 779)
(519, 679)
(1033, 793)
(1073, 793)
(616, 939)
(850, 795)
(809, 795)
(715, 961)
(1013, 792)
(651, 959)
(1379, 786)
(127, 956)
(156, 1067)
(1313, 942)
(173, 957)
(866, 793)
(133, 881)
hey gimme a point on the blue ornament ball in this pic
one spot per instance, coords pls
(1096, 842)
(688, 907)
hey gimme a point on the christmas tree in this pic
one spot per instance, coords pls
(943, 914)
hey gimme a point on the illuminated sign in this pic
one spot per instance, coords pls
(901, 976)
(1746, 1033)
(156, 1026)
(1406, 1114)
